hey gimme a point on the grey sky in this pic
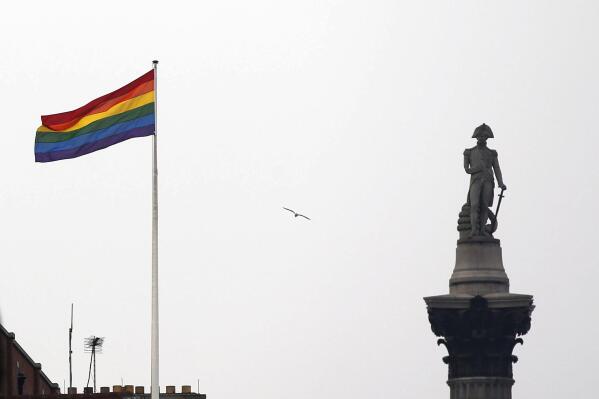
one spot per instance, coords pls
(355, 113)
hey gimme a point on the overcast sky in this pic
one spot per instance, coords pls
(355, 113)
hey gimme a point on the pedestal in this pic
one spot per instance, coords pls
(478, 268)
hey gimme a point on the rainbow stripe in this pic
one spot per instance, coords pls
(118, 116)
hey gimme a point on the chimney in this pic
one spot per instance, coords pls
(117, 389)
(72, 391)
(129, 389)
(139, 390)
(185, 388)
(170, 389)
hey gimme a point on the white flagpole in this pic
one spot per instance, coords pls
(155, 388)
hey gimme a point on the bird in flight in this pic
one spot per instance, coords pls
(296, 214)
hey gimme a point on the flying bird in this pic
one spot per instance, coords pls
(296, 214)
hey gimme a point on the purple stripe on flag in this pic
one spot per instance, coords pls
(95, 146)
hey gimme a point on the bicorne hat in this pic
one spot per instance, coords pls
(483, 131)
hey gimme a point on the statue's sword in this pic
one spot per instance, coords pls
(499, 202)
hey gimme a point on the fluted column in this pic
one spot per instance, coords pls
(481, 388)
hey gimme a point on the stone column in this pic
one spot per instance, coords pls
(479, 322)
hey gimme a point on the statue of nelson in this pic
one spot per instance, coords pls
(480, 162)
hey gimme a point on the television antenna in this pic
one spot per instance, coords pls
(93, 345)
(71, 350)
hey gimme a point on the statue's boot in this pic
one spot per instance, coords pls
(484, 215)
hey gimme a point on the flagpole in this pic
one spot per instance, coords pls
(155, 388)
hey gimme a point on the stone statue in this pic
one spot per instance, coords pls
(480, 162)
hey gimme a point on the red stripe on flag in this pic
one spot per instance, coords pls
(64, 120)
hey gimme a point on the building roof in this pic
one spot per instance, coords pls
(19, 348)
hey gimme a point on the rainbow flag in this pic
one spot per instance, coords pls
(118, 116)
